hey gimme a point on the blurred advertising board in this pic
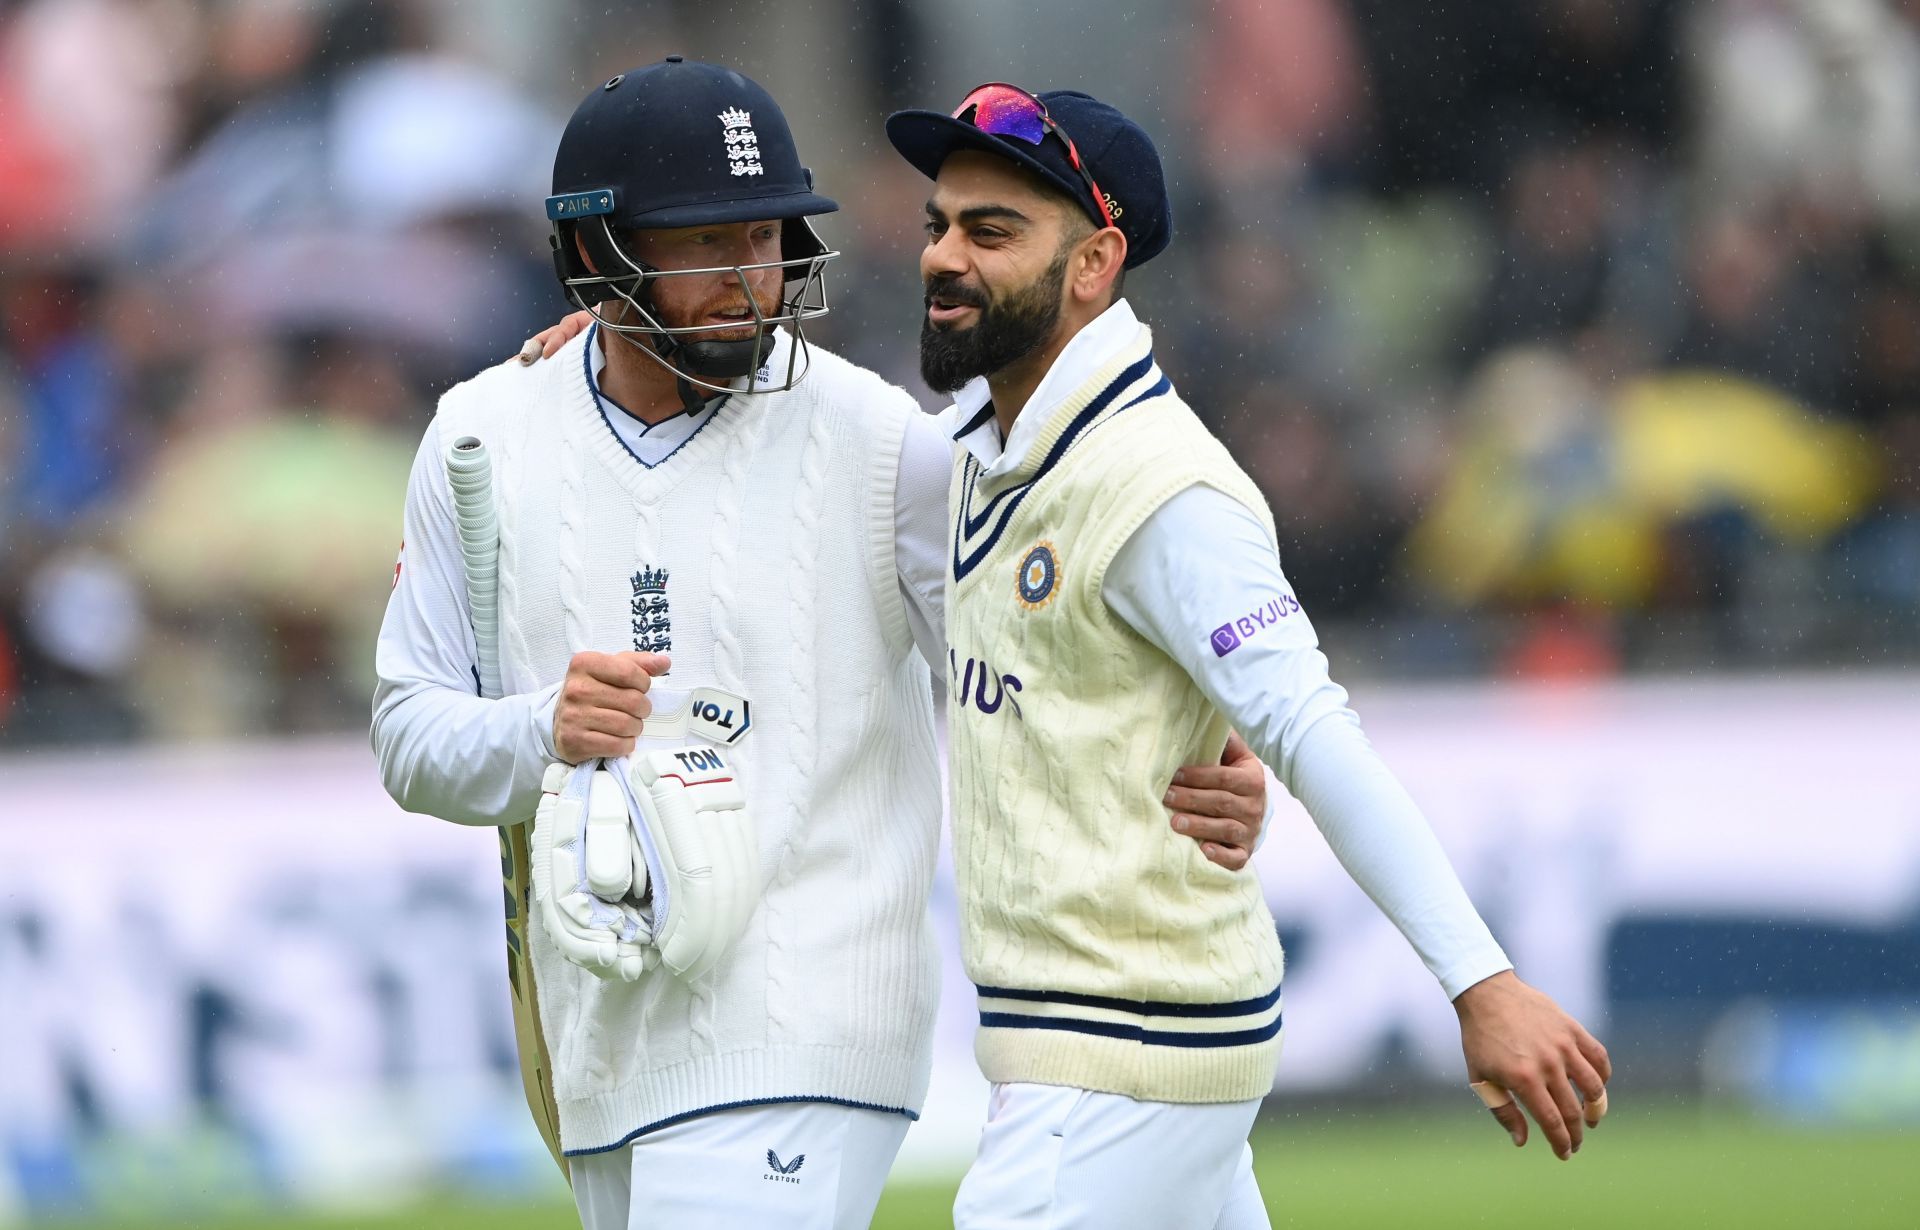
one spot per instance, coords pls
(240, 975)
(1654, 855)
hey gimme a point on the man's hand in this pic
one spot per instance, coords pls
(603, 704)
(1520, 1041)
(547, 343)
(1222, 806)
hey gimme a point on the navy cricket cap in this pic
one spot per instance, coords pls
(1116, 152)
(681, 143)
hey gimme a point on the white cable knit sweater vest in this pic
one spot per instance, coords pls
(774, 525)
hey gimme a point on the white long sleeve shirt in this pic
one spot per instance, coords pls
(1226, 613)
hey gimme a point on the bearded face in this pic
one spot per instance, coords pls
(718, 304)
(1007, 326)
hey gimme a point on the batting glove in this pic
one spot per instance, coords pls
(587, 877)
(700, 848)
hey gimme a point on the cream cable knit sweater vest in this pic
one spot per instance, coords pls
(1108, 952)
(762, 551)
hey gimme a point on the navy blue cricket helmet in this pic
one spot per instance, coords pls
(674, 144)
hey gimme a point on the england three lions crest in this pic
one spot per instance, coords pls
(743, 144)
(652, 619)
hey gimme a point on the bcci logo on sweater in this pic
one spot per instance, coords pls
(652, 622)
(1039, 573)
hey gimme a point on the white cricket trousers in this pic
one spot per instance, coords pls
(792, 1166)
(1053, 1158)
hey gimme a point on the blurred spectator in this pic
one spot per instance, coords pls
(258, 539)
(1820, 96)
(1337, 536)
(1584, 249)
(1773, 296)
(73, 425)
(1548, 326)
(82, 630)
(1275, 84)
(1259, 309)
(101, 82)
(1879, 559)
(1648, 493)
(1460, 86)
(36, 179)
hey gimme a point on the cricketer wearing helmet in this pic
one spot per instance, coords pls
(1113, 565)
(713, 550)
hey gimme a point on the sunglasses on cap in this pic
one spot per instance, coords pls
(1008, 111)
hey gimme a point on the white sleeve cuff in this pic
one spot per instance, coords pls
(1274, 791)
(545, 702)
(1470, 973)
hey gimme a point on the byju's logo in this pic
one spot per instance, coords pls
(783, 1172)
(1229, 636)
(969, 686)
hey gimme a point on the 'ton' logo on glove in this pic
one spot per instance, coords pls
(701, 760)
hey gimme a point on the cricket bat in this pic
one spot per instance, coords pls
(470, 474)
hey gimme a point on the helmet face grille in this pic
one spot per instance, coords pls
(621, 302)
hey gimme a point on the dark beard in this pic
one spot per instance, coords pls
(698, 354)
(1004, 334)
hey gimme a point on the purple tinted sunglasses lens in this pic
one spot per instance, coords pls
(1006, 113)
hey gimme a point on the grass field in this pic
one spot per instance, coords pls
(1668, 1167)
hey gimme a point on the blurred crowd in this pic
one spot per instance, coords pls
(1567, 337)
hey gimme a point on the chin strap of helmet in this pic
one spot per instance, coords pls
(692, 398)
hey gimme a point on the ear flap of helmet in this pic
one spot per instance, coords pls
(798, 240)
(603, 259)
(567, 265)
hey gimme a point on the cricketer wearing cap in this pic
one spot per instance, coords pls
(692, 485)
(1114, 602)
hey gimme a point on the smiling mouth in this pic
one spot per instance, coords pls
(942, 309)
(729, 325)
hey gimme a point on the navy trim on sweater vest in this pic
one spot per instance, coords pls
(1141, 1007)
(600, 401)
(966, 525)
(1133, 1031)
